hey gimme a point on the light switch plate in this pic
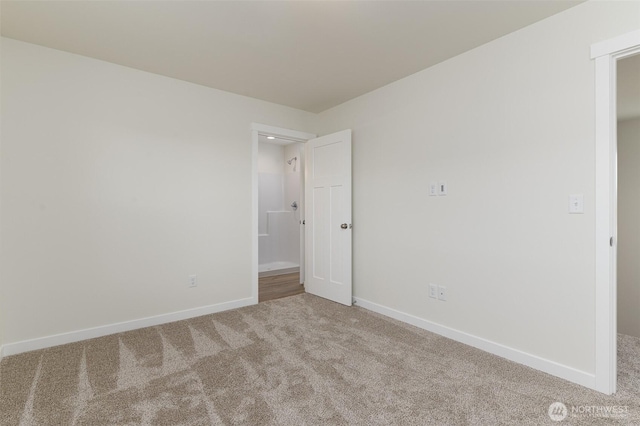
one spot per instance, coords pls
(576, 204)
(433, 189)
(433, 291)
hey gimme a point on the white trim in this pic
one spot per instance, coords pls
(263, 129)
(254, 214)
(617, 44)
(606, 55)
(105, 330)
(559, 370)
(604, 217)
(275, 272)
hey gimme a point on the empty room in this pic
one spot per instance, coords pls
(319, 212)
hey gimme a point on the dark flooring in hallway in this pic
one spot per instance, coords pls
(279, 286)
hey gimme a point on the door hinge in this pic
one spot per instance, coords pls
(611, 242)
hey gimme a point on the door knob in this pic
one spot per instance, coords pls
(344, 226)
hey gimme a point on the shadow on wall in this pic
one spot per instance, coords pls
(628, 247)
(629, 227)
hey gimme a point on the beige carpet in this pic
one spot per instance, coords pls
(294, 361)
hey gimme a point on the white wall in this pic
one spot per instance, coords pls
(292, 193)
(510, 127)
(292, 175)
(270, 158)
(116, 185)
(629, 227)
(270, 182)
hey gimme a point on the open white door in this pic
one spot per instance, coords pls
(328, 217)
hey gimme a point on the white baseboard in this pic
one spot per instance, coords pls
(551, 367)
(278, 272)
(90, 333)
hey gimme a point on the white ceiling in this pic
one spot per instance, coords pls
(310, 55)
(629, 88)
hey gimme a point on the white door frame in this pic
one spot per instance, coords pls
(606, 55)
(256, 130)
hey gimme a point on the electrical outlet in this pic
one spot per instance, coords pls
(193, 280)
(442, 293)
(433, 291)
(433, 189)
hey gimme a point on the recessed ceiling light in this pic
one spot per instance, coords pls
(270, 137)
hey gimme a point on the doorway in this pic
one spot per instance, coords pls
(325, 207)
(280, 215)
(280, 196)
(278, 211)
(628, 212)
(607, 54)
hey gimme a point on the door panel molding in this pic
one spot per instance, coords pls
(328, 230)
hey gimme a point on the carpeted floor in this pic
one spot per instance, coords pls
(294, 361)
